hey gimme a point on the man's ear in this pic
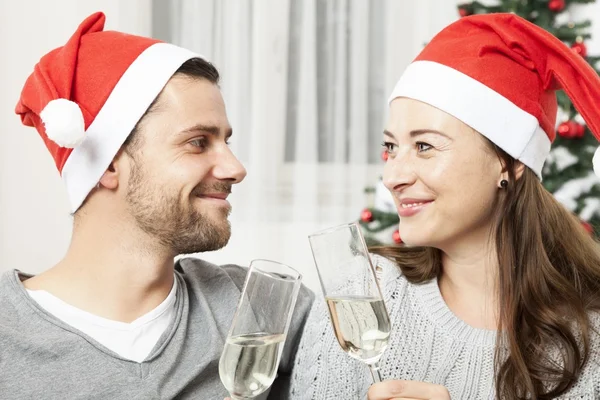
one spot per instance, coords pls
(114, 172)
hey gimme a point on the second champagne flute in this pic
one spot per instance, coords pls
(253, 347)
(360, 319)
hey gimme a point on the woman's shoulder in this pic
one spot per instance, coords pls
(594, 340)
(588, 382)
(594, 357)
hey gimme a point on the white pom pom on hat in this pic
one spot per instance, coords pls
(63, 122)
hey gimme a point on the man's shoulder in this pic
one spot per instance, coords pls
(18, 315)
(9, 296)
(202, 273)
(198, 270)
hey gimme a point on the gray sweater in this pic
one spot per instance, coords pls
(427, 343)
(43, 358)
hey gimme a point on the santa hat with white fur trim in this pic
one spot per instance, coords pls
(498, 73)
(85, 98)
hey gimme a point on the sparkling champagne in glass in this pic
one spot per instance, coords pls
(358, 314)
(253, 347)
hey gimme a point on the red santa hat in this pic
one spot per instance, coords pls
(498, 73)
(85, 98)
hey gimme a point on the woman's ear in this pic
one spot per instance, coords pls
(519, 168)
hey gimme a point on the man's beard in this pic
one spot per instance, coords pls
(183, 230)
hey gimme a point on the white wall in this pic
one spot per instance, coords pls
(35, 225)
(319, 196)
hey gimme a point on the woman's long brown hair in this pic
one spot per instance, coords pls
(548, 283)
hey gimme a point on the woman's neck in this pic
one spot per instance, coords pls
(468, 284)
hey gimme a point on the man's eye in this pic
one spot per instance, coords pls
(422, 147)
(200, 142)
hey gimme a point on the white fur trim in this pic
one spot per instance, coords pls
(596, 162)
(513, 129)
(129, 100)
(63, 122)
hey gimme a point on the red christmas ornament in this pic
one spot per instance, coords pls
(385, 155)
(579, 48)
(571, 130)
(556, 5)
(465, 10)
(366, 215)
(579, 130)
(565, 130)
(587, 227)
(396, 237)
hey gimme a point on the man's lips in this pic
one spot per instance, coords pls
(218, 196)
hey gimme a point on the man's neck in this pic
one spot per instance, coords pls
(469, 283)
(113, 273)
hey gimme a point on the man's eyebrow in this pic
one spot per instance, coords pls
(211, 129)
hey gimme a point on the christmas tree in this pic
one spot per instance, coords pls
(568, 172)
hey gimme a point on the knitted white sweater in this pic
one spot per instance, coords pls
(427, 343)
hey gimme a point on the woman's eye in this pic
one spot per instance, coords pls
(389, 147)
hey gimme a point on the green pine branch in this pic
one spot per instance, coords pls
(555, 175)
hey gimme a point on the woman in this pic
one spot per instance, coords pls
(497, 294)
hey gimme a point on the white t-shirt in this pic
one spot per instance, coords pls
(133, 341)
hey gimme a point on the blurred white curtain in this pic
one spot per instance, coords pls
(306, 84)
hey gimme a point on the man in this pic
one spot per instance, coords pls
(139, 132)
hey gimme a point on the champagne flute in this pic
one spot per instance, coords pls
(254, 344)
(360, 319)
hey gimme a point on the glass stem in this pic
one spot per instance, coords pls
(374, 368)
